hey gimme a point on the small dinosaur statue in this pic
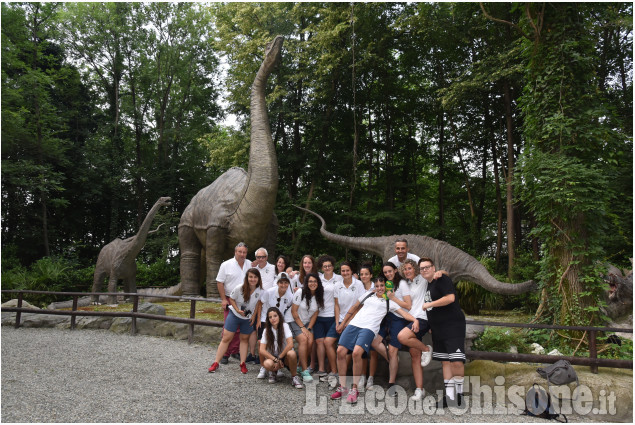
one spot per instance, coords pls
(117, 259)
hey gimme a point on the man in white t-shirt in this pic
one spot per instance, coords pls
(401, 249)
(267, 270)
(231, 274)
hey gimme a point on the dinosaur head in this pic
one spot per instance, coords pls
(273, 52)
(164, 201)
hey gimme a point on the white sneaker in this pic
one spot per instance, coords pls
(272, 378)
(362, 382)
(426, 357)
(297, 382)
(262, 373)
(418, 395)
(280, 373)
(370, 383)
(333, 380)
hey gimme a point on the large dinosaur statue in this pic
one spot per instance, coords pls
(459, 264)
(238, 206)
(117, 259)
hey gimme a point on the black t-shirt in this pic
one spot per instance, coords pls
(446, 317)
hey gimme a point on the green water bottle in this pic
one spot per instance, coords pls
(389, 287)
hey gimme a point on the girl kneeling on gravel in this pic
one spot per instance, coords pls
(276, 347)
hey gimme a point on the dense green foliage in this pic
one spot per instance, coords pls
(505, 131)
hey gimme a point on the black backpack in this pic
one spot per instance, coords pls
(538, 403)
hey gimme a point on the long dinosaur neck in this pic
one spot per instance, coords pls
(256, 206)
(142, 234)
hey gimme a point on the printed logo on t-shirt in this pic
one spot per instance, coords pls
(428, 299)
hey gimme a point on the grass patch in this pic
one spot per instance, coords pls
(204, 310)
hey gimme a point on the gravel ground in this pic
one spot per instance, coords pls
(53, 375)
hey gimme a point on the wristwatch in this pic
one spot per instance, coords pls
(309, 329)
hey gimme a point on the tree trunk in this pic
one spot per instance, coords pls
(509, 180)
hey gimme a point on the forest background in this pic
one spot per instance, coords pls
(504, 129)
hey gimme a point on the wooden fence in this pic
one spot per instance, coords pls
(593, 361)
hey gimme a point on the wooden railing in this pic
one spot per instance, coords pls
(593, 361)
(134, 314)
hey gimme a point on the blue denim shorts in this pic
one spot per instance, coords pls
(233, 322)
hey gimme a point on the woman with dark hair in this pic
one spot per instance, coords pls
(366, 277)
(244, 314)
(326, 318)
(307, 265)
(345, 294)
(282, 265)
(391, 326)
(306, 303)
(361, 323)
(276, 347)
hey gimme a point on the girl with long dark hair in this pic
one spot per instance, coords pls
(306, 302)
(276, 347)
(243, 315)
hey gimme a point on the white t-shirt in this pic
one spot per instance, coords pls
(231, 274)
(346, 297)
(304, 313)
(396, 262)
(269, 299)
(418, 288)
(295, 283)
(403, 290)
(237, 295)
(268, 274)
(287, 334)
(329, 302)
(372, 312)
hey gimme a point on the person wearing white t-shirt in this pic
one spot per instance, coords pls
(401, 251)
(361, 326)
(420, 353)
(393, 325)
(276, 347)
(306, 302)
(345, 294)
(326, 315)
(307, 265)
(231, 274)
(279, 297)
(268, 274)
(244, 315)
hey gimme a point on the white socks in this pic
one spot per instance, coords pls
(449, 388)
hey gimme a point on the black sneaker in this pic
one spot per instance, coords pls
(224, 360)
(392, 390)
(236, 356)
(250, 359)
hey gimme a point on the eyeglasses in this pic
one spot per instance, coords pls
(260, 257)
(327, 266)
(424, 268)
(278, 303)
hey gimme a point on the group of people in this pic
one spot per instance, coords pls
(341, 318)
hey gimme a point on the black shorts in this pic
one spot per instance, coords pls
(448, 349)
(424, 327)
(261, 330)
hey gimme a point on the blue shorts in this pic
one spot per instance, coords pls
(332, 333)
(322, 326)
(352, 336)
(233, 322)
(424, 327)
(395, 324)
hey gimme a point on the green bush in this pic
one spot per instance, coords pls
(501, 340)
(160, 273)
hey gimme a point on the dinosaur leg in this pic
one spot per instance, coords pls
(112, 287)
(190, 260)
(130, 284)
(98, 280)
(214, 250)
